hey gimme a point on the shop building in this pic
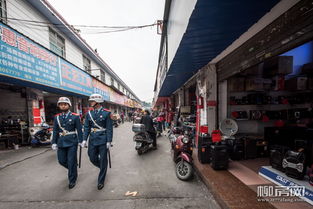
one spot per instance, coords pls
(43, 58)
(255, 69)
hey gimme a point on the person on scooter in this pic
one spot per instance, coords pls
(148, 122)
(99, 128)
(67, 134)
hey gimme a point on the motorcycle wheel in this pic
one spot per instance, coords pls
(184, 170)
(139, 152)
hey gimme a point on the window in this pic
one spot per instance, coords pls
(3, 11)
(102, 76)
(57, 43)
(87, 64)
(112, 82)
(118, 86)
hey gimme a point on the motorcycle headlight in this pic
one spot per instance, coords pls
(185, 140)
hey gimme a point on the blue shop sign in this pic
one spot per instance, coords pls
(23, 59)
(75, 80)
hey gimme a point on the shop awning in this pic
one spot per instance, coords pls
(18, 82)
(213, 26)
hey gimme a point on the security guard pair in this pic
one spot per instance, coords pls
(67, 133)
(99, 128)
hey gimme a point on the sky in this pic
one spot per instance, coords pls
(132, 55)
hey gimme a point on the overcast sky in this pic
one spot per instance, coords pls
(133, 55)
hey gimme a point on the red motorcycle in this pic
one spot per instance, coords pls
(182, 155)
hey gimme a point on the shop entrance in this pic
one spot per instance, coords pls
(51, 109)
(13, 115)
(272, 104)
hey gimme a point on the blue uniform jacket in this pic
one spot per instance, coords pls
(103, 119)
(70, 123)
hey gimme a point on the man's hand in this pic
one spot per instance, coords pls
(108, 145)
(83, 144)
(54, 147)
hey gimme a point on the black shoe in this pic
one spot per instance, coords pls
(100, 186)
(154, 148)
(71, 186)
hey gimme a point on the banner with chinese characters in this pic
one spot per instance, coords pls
(101, 88)
(75, 80)
(116, 97)
(23, 59)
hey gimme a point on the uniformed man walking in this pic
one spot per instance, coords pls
(67, 133)
(98, 127)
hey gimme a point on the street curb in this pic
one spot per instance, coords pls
(215, 194)
(26, 158)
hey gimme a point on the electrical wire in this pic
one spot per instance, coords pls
(109, 29)
(83, 29)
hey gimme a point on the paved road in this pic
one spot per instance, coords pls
(39, 182)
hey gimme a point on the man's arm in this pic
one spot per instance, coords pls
(78, 127)
(87, 127)
(109, 128)
(55, 134)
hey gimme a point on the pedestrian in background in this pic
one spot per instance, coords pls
(148, 122)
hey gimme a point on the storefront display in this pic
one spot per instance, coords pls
(274, 112)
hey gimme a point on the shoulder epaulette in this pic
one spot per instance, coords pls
(74, 113)
(107, 110)
(57, 114)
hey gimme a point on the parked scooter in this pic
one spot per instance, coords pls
(182, 155)
(157, 127)
(142, 140)
(40, 135)
(173, 133)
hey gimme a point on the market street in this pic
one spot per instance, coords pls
(40, 182)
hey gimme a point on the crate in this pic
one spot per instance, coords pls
(138, 128)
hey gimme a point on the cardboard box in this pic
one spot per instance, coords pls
(254, 84)
(280, 65)
(297, 83)
(236, 84)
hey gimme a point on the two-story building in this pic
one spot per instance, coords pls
(43, 57)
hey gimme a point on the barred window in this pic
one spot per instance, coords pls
(57, 43)
(87, 64)
(102, 76)
(3, 11)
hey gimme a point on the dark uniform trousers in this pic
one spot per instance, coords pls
(67, 157)
(67, 145)
(98, 157)
(97, 146)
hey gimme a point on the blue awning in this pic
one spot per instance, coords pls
(24, 83)
(212, 27)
